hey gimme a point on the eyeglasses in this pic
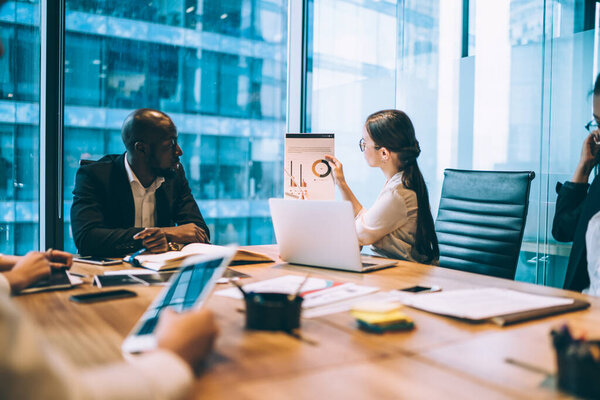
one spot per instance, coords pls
(362, 145)
(591, 126)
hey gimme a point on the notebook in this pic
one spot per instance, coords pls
(500, 306)
(173, 259)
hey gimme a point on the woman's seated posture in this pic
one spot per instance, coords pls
(399, 224)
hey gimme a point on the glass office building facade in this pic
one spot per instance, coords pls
(19, 127)
(218, 68)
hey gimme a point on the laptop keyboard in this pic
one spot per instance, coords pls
(181, 294)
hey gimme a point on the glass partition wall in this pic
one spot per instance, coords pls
(489, 85)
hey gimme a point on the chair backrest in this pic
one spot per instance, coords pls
(481, 219)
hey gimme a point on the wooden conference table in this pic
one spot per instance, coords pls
(442, 357)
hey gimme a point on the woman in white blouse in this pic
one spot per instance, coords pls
(399, 224)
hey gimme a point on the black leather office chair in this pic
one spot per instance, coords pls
(481, 219)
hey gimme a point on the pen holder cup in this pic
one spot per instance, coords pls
(273, 311)
(578, 371)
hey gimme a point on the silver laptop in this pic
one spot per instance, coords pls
(320, 234)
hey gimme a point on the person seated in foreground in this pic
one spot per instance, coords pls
(30, 369)
(399, 224)
(141, 198)
(578, 202)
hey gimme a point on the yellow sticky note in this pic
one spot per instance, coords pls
(381, 318)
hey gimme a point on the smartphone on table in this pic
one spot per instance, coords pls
(421, 289)
(102, 296)
(97, 260)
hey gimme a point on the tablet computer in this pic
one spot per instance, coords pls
(187, 289)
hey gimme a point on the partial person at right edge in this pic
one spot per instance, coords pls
(399, 224)
(578, 201)
(141, 198)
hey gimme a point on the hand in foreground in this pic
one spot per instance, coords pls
(59, 258)
(153, 239)
(191, 335)
(188, 233)
(337, 169)
(28, 270)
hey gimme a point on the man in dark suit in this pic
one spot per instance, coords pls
(122, 203)
(576, 205)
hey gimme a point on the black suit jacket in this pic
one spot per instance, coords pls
(575, 206)
(103, 212)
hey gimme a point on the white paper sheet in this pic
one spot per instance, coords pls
(482, 303)
(325, 290)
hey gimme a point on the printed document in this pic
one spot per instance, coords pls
(307, 175)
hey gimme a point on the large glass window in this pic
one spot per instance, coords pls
(515, 97)
(19, 127)
(217, 67)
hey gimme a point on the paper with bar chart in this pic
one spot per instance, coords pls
(307, 175)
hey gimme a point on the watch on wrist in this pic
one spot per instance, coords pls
(174, 246)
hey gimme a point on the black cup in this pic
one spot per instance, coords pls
(576, 374)
(273, 311)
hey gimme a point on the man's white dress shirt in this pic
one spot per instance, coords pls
(144, 199)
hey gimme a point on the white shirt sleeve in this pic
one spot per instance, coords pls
(29, 369)
(385, 216)
(156, 375)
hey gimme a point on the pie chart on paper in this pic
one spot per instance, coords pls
(321, 168)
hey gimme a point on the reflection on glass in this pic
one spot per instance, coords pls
(217, 67)
(19, 127)
(517, 101)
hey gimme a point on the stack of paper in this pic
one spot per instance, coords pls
(483, 303)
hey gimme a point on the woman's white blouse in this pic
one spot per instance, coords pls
(389, 226)
(592, 244)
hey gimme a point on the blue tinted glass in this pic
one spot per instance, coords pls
(216, 67)
(19, 127)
